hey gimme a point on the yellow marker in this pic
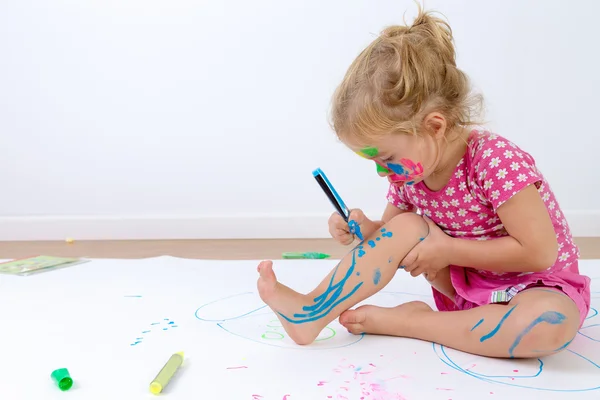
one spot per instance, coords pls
(166, 373)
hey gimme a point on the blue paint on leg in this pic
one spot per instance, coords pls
(371, 243)
(325, 302)
(402, 267)
(550, 317)
(361, 252)
(497, 328)
(376, 276)
(386, 234)
(477, 324)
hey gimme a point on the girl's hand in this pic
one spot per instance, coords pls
(430, 255)
(341, 232)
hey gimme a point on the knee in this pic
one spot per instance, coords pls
(546, 327)
(408, 223)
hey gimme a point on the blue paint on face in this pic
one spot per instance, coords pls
(550, 317)
(390, 260)
(376, 276)
(327, 301)
(357, 273)
(477, 324)
(497, 328)
(421, 239)
(397, 169)
(371, 243)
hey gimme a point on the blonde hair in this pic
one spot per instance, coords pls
(403, 75)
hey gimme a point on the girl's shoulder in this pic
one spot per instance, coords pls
(484, 144)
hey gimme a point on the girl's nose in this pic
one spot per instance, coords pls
(382, 171)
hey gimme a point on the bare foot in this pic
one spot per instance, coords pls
(393, 321)
(287, 304)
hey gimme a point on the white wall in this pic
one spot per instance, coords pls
(197, 119)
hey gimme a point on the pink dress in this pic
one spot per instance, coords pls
(492, 171)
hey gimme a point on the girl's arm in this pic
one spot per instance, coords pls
(530, 247)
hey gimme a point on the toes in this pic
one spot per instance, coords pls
(265, 269)
(355, 329)
(352, 317)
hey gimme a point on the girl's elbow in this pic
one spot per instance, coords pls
(544, 256)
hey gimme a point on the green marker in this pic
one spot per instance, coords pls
(62, 378)
(166, 373)
(309, 255)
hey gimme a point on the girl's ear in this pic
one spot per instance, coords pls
(435, 125)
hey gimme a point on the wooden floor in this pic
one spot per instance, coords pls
(203, 249)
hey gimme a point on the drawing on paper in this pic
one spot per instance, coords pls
(154, 328)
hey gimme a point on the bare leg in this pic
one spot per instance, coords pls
(443, 283)
(535, 323)
(360, 274)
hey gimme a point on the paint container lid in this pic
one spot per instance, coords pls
(62, 378)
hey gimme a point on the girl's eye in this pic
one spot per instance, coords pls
(387, 159)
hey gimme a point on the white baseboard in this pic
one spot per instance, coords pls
(284, 226)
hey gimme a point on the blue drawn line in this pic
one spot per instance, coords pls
(155, 323)
(225, 319)
(497, 328)
(450, 363)
(595, 312)
(589, 337)
(477, 324)
(551, 317)
(146, 332)
(133, 296)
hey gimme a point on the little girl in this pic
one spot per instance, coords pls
(491, 238)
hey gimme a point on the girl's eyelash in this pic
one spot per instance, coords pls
(386, 159)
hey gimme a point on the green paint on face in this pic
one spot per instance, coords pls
(382, 169)
(370, 151)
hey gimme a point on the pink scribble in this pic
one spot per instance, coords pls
(372, 365)
(256, 396)
(491, 392)
(471, 367)
(515, 370)
(286, 397)
(345, 388)
(398, 376)
(444, 373)
(242, 366)
(321, 383)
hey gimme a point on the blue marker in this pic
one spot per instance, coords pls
(335, 200)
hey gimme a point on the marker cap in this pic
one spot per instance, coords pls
(62, 378)
(155, 388)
